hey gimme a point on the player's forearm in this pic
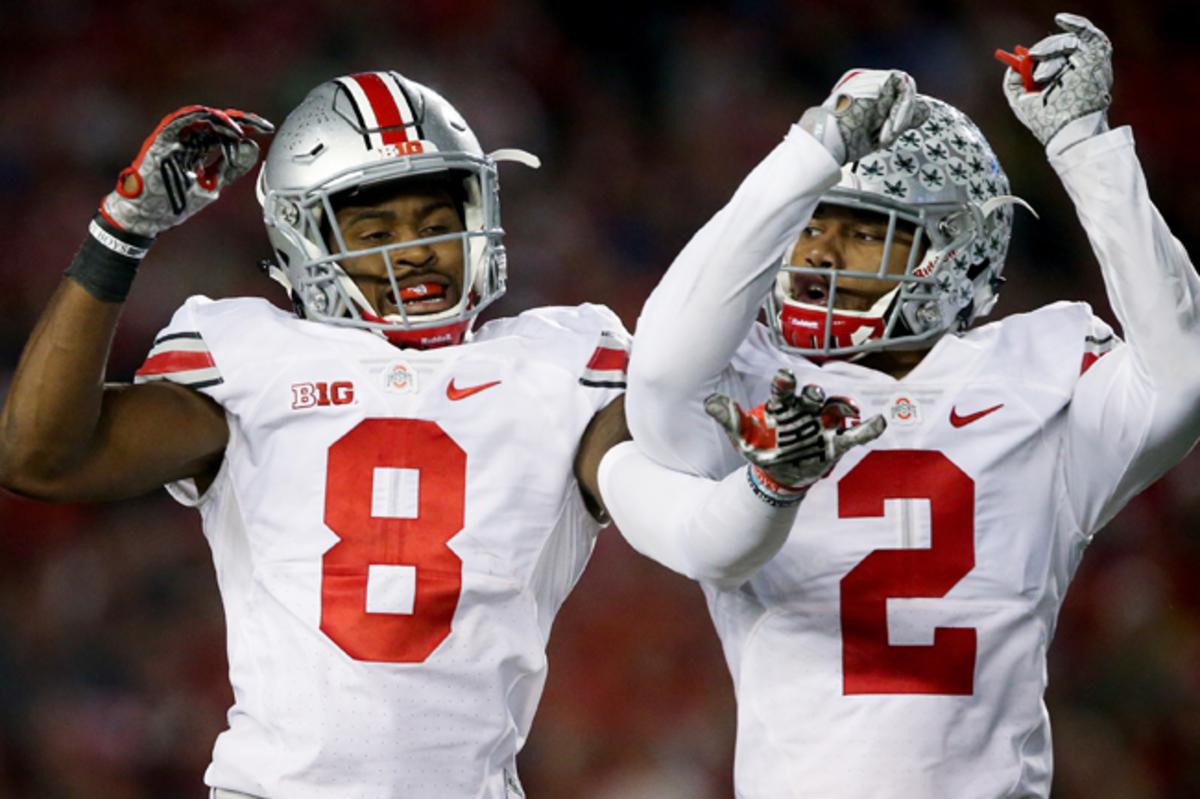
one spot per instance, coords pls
(713, 531)
(701, 311)
(1152, 286)
(53, 404)
(706, 303)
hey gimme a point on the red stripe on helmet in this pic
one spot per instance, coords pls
(383, 105)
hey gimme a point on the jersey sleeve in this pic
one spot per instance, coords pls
(180, 354)
(708, 300)
(604, 365)
(1135, 409)
(588, 341)
(608, 365)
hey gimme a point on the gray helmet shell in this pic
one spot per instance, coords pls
(358, 131)
(943, 179)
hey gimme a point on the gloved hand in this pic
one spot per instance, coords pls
(793, 439)
(867, 110)
(1063, 80)
(182, 167)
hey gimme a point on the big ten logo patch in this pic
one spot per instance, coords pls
(320, 395)
(402, 148)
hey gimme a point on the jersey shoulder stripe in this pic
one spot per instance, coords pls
(1099, 341)
(588, 341)
(609, 364)
(180, 357)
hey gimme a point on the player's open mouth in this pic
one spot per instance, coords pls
(853, 293)
(812, 289)
(423, 296)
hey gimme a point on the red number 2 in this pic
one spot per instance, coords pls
(418, 543)
(870, 665)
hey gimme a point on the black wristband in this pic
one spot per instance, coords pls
(108, 260)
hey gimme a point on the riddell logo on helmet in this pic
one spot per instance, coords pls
(320, 395)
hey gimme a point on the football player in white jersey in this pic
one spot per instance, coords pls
(896, 644)
(396, 507)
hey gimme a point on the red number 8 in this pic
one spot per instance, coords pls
(367, 540)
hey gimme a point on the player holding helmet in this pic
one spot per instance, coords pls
(396, 509)
(896, 645)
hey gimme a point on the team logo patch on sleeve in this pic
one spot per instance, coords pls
(608, 364)
(180, 358)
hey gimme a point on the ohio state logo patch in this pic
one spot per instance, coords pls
(904, 411)
(400, 378)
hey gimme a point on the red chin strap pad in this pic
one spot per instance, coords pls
(447, 335)
(805, 328)
(429, 338)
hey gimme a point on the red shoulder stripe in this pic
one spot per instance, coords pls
(177, 361)
(605, 359)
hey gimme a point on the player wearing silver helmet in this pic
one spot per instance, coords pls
(895, 646)
(332, 147)
(397, 503)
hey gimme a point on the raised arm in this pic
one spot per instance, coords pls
(706, 303)
(1136, 411)
(64, 435)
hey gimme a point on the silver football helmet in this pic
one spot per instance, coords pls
(943, 180)
(359, 131)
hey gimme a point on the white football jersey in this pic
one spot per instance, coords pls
(896, 645)
(393, 532)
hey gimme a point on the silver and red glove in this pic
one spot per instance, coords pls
(1061, 85)
(867, 109)
(793, 439)
(182, 167)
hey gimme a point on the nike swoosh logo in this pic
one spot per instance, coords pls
(456, 393)
(963, 421)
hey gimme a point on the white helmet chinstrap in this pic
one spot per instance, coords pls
(361, 131)
(943, 180)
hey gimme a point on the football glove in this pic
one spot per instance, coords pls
(794, 439)
(867, 110)
(182, 167)
(1063, 80)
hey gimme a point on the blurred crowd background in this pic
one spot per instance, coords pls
(646, 116)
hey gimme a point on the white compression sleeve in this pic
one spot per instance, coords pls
(1137, 411)
(706, 303)
(714, 531)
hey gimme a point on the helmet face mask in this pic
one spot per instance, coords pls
(944, 182)
(366, 132)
